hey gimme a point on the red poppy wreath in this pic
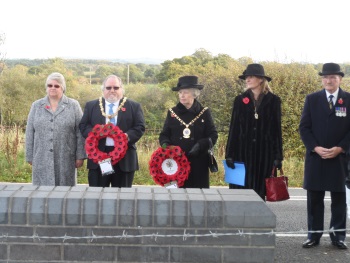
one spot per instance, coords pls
(102, 131)
(169, 164)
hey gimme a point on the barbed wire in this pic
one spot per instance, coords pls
(184, 236)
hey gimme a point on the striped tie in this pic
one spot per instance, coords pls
(330, 101)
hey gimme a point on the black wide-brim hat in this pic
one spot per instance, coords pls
(187, 82)
(254, 70)
(331, 69)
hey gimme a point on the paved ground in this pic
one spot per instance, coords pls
(291, 217)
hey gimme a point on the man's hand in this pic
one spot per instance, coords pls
(325, 153)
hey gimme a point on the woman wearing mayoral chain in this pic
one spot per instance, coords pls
(191, 127)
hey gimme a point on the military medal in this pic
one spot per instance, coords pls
(340, 111)
(187, 132)
(337, 112)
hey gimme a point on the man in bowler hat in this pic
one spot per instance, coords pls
(325, 131)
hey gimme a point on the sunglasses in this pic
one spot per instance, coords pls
(115, 88)
(56, 86)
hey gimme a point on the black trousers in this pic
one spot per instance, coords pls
(315, 214)
(117, 179)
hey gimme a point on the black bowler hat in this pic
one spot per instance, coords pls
(254, 70)
(187, 82)
(331, 69)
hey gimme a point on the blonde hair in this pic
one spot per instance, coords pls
(265, 87)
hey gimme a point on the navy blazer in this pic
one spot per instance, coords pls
(130, 121)
(320, 126)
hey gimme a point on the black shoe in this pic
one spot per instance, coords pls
(339, 244)
(311, 243)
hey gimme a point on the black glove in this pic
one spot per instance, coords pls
(230, 163)
(194, 152)
(277, 164)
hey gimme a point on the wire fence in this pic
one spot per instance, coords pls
(155, 236)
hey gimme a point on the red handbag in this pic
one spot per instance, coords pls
(276, 186)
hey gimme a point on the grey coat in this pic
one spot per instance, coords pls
(54, 142)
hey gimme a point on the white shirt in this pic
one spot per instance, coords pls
(109, 141)
(335, 95)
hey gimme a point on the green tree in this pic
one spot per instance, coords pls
(135, 74)
(18, 90)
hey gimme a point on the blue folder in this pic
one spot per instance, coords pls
(235, 176)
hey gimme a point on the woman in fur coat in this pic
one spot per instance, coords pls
(255, 136)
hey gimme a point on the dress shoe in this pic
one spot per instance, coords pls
(339, 244)
(310, 243)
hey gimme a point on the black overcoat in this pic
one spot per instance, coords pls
(320, 126)
(256, 142)
(201, 130)
(130, 121)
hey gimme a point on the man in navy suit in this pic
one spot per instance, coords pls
(128, 116)
(325, 131)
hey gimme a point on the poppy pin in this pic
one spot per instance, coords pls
(246, 100)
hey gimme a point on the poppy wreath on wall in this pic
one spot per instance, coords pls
(102, 131)
(169, 164)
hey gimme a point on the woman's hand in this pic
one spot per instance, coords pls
(277, 164)
(230, 163)
(194, 152)
(79, 163)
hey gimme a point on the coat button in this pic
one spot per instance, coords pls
(254, 140)
(51, 150)
(51, 120)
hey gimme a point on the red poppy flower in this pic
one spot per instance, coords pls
(340, 101)
(246, 100)
(99, 132)
(172, 115)
(123, 109)
(177, 155)
(47, 107)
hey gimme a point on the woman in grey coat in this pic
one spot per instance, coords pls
(54, 145)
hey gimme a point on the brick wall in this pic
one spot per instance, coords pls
(140, 224)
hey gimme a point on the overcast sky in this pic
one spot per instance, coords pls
(314, 31)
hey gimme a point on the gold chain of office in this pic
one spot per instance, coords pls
(187, 132)
(114, 114)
